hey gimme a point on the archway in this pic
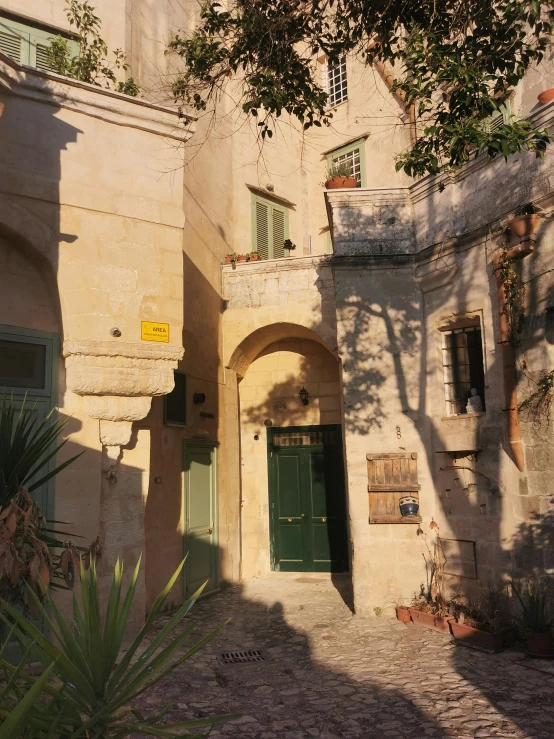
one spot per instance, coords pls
(274, 364)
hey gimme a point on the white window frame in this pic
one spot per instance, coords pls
(335, 82)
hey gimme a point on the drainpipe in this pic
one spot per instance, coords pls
(509, 357)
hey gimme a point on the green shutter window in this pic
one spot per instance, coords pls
(28, 45)
(270, 228)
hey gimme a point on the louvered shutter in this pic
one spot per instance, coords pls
(278, 232)
(42, 58)
(13, 44)
(262, 229)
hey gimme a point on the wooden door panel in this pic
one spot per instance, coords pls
(290, 535)
(200, 540)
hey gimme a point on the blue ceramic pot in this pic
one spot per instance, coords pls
(409, 505)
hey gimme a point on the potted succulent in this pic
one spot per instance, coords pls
(536, 617)
(483, 625)
(546, 96)
(525, 222)
(339, 177)
(253, 256)
(230, 258)
(241, 257)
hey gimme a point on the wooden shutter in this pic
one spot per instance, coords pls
(278, 232)
(29, 45)
(262, 229)
(13, 44)
(390, 477)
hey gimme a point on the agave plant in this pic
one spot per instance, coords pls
(91, 691)
(26, 446)
(536, 614)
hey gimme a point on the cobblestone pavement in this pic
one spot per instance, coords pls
(329, 674)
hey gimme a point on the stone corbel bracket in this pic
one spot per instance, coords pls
(118, 380)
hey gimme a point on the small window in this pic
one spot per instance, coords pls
(270, 228)
(175, 404)
(353, 156)
(336, 84)
(464, 376)
(27, 43)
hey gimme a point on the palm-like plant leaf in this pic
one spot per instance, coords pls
(94, 690)
(27, 444)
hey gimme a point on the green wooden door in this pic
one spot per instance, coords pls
(200, 509)
(307, 500)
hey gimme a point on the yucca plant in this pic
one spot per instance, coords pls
(534, 599)
(27, 540)
(27, 444)
(92, 690)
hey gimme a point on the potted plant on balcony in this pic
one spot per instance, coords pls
(253, 256)
(483, 625)
(339, 177)
(241, 257)
(546, 96)
(230, 258)
(536, 616)
(288, 246)
(525, 222)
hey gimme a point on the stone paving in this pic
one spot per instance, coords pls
(331, 675)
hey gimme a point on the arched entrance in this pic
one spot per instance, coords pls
(292, 478)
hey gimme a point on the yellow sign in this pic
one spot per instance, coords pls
(150, 331)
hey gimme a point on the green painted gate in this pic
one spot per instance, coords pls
(200, 516)
(307, 499)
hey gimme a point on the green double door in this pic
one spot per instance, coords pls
(307, 499)
(200, 517)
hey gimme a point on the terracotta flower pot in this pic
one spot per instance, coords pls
(482, 640)
(540, 645)
(254, 257)
(241, 258)
(228, 260)
(546, 96)
(431, 621)
(403, 614)
(524, 227)
(340, 183)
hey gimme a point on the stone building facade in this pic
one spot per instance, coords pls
(249, 438)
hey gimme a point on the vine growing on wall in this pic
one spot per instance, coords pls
(514, 291)
(538, 405)
(92, 63)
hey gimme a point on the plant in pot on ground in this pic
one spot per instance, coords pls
(339, 177)
(402, 610)
(483, 623)
(430, 608)
(536, 617)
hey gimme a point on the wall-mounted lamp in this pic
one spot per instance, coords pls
(304, 397)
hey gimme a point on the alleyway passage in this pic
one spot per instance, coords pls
(329, 674)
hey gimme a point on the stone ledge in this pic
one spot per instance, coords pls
(123, 110)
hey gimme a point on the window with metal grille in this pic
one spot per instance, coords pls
(175, 404)
(353, 156)
(337, 87)
(28, 44)
(462, 360)
(270, 228)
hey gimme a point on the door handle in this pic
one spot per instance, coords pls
(289, 520)
(208, 531)
(323, 520)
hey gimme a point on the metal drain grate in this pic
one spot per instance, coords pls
(241, 656)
